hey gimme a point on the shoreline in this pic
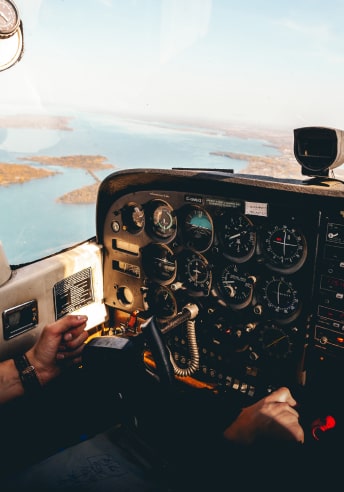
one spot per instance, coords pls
(282, 166)
(22, 173)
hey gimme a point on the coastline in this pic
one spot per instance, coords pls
(282, 166)
(21, 173)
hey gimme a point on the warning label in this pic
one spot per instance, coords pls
(73, 292)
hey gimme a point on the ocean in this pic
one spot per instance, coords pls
(33, 224)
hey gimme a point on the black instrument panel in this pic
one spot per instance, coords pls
(261, 260)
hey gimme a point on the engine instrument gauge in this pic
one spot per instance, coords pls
(197, 272)
(274, 341)
(162, 302)
(281, 298)
(236, 286)
(285, 248)
(159, 263)
(162, 222)
(237, 237)
(197, 229)
(133, 217)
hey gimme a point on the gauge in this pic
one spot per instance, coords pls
(281, 298)
(9, 18)
(162, 220)
(285, 248)
(197, 229)
(275, 342)
(236, 286)
(238, 237)
(197, 272)
(133, 217)
(159, 263)
(162, 302)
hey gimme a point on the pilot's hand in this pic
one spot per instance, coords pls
(62, 340)
(272, 417)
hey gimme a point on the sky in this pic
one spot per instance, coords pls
(263, 62)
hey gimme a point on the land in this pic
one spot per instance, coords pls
(283, 165)
(17, 173)
(49, 122)
(21, 173)
(280, 166)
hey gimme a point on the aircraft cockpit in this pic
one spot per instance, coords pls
(203, 288)
(206, 287)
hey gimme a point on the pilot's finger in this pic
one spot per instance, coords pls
(282, 394)
(72, 339)
(70, 354)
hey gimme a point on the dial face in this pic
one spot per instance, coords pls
(275, 342)
(238, 238)
(133, 217)
(236, 286)
(162, 220)
(281, 298)
(159, 263)
(285, 248)
(9, 18)
(197, 229)
(196, 272)
(162, 302)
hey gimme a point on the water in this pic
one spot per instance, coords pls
(33, 224)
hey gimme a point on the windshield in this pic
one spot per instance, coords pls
(104, 85)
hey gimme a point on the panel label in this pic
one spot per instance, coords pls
(73, 292)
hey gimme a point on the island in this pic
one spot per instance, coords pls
(282, 165)
(14, 173)
(17, 173)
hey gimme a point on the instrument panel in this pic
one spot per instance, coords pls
(248, 261)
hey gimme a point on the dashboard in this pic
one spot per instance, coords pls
(242, 275)
(204, 290)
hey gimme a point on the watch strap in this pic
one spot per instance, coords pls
(27, 374)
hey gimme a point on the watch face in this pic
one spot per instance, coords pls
(9, 18)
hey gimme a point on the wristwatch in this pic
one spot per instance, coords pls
(27, 373)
